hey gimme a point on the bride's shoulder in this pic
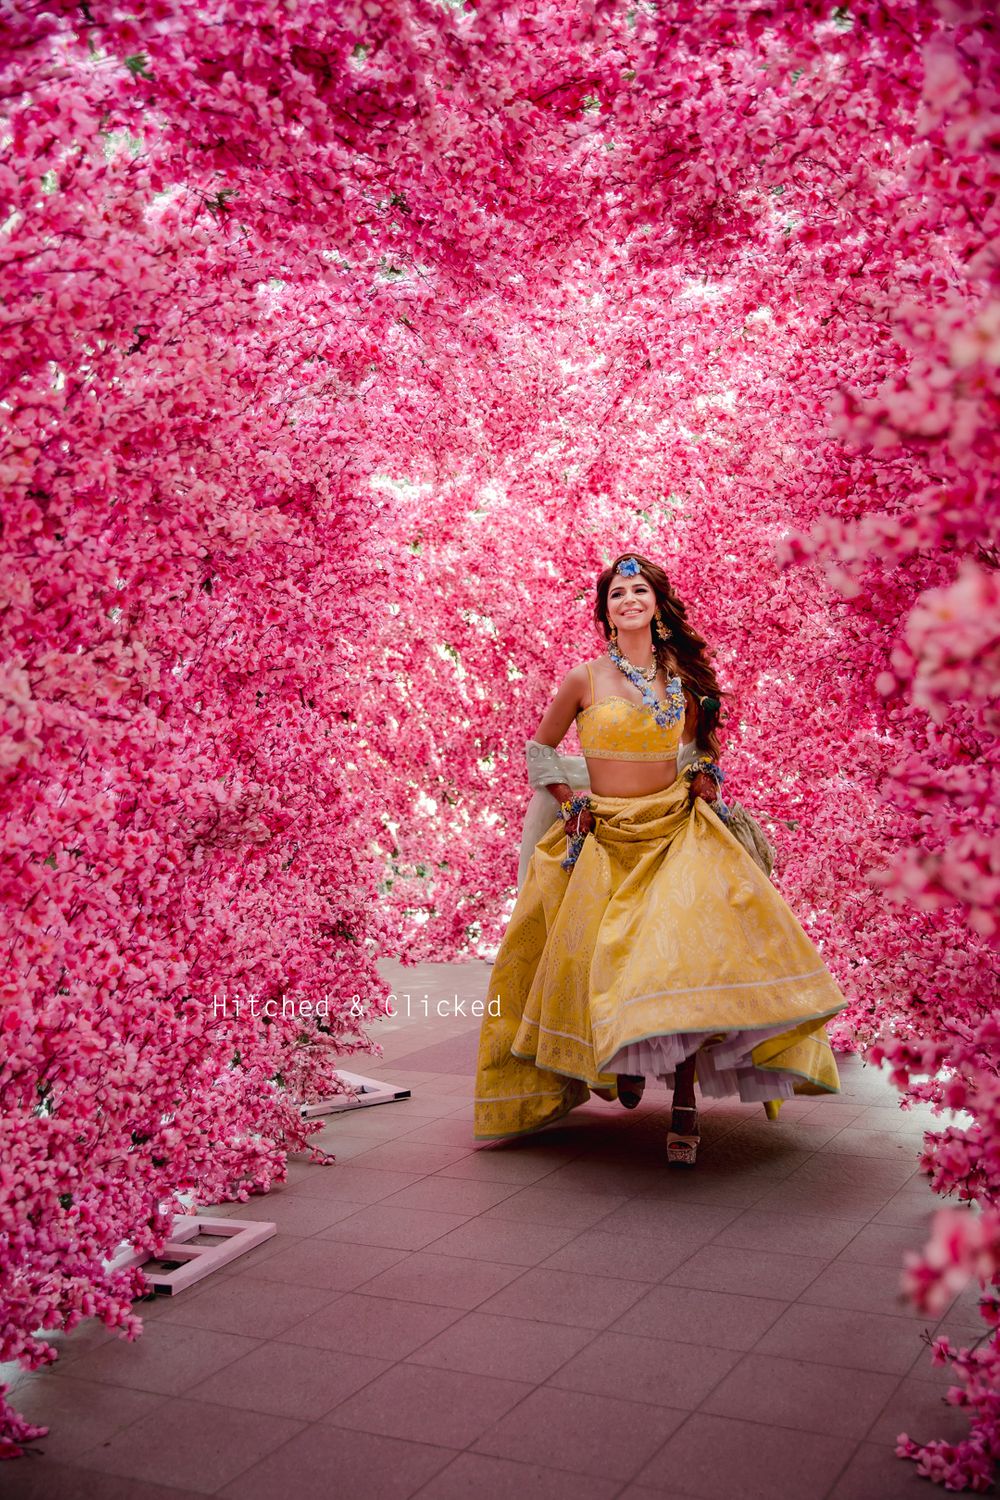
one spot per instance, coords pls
(575, 683)
(581, 670)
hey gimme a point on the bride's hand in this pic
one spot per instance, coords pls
(582, 823)
(703, 786)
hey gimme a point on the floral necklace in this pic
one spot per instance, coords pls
(668, 712)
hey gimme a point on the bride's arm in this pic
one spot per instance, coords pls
(543, 762)
(701, 785)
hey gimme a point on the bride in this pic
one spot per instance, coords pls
(645, 941)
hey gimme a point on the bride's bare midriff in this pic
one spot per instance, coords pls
(625, 778)
(630, 778)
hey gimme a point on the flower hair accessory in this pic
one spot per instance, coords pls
(628, 567)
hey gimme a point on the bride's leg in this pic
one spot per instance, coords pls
(684, 1083)
(683, 1135)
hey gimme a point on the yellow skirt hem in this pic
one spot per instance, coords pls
(822, 1015)
(665, 927)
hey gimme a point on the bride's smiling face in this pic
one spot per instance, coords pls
(631, 602)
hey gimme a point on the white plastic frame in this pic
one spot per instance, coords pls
(367, 1090)
(239, 1236)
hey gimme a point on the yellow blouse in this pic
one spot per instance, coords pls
(618, 729)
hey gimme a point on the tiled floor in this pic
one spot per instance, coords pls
(559, 1316)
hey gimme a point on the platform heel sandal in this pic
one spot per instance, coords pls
(682, 1146)
(630, 1089)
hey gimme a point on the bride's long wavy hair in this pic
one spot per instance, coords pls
(685, 654)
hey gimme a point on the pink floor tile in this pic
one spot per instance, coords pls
(445, 1280)
(594, 1435)
(168, 1358)
(453, 1195)
(394, 1227)
(712, 1184)
(646, 1492)
(501, 1166)
(424, 1404)
(861, 1287)
(838, 1336)
(408, 1155)
(508, 1348)
(439, 1105)
(507, 1242)
(539, 1204)
(372, 1124)
(620, 1177)
(377, 1326)
(46, 1479)
(889, 1117)
(919, 1409)
(883, 1244)
(78, 1413)
(553, 1147)
(477, 1474)
(754, 1273)
(327, 1461)
(298, 1217)
(832, 1111)
(868, 1173)
(565, 1297)
(719, 1320)
(662, 1371)
(336, 1266)
(751, 1153)
(822, 1200)
(800, 1133)
(445, 1132)
(594, 1252)
(288, 1380)
(248, 1305)
(671, 1220)
(877, 1145)
(910, 1206)
(342, 1146)
(788, 1234)
(718, 1456)
(795, 1393)
(353, 1184)
(191, 1445)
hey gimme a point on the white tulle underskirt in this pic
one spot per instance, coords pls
(725, 1066)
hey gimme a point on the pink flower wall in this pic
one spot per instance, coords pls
(341, 346)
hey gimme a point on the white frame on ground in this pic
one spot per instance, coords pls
(366, 1091)
(237, 1236)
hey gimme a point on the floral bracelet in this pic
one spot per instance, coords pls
(570, 809)
(705, 765)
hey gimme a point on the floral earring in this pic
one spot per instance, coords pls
(660, 628)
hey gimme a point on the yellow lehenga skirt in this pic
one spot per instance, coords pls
(665, 939)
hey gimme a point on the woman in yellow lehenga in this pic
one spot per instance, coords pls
(645, 940)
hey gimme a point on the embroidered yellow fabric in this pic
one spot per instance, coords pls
(664, 926)
(618, 729)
